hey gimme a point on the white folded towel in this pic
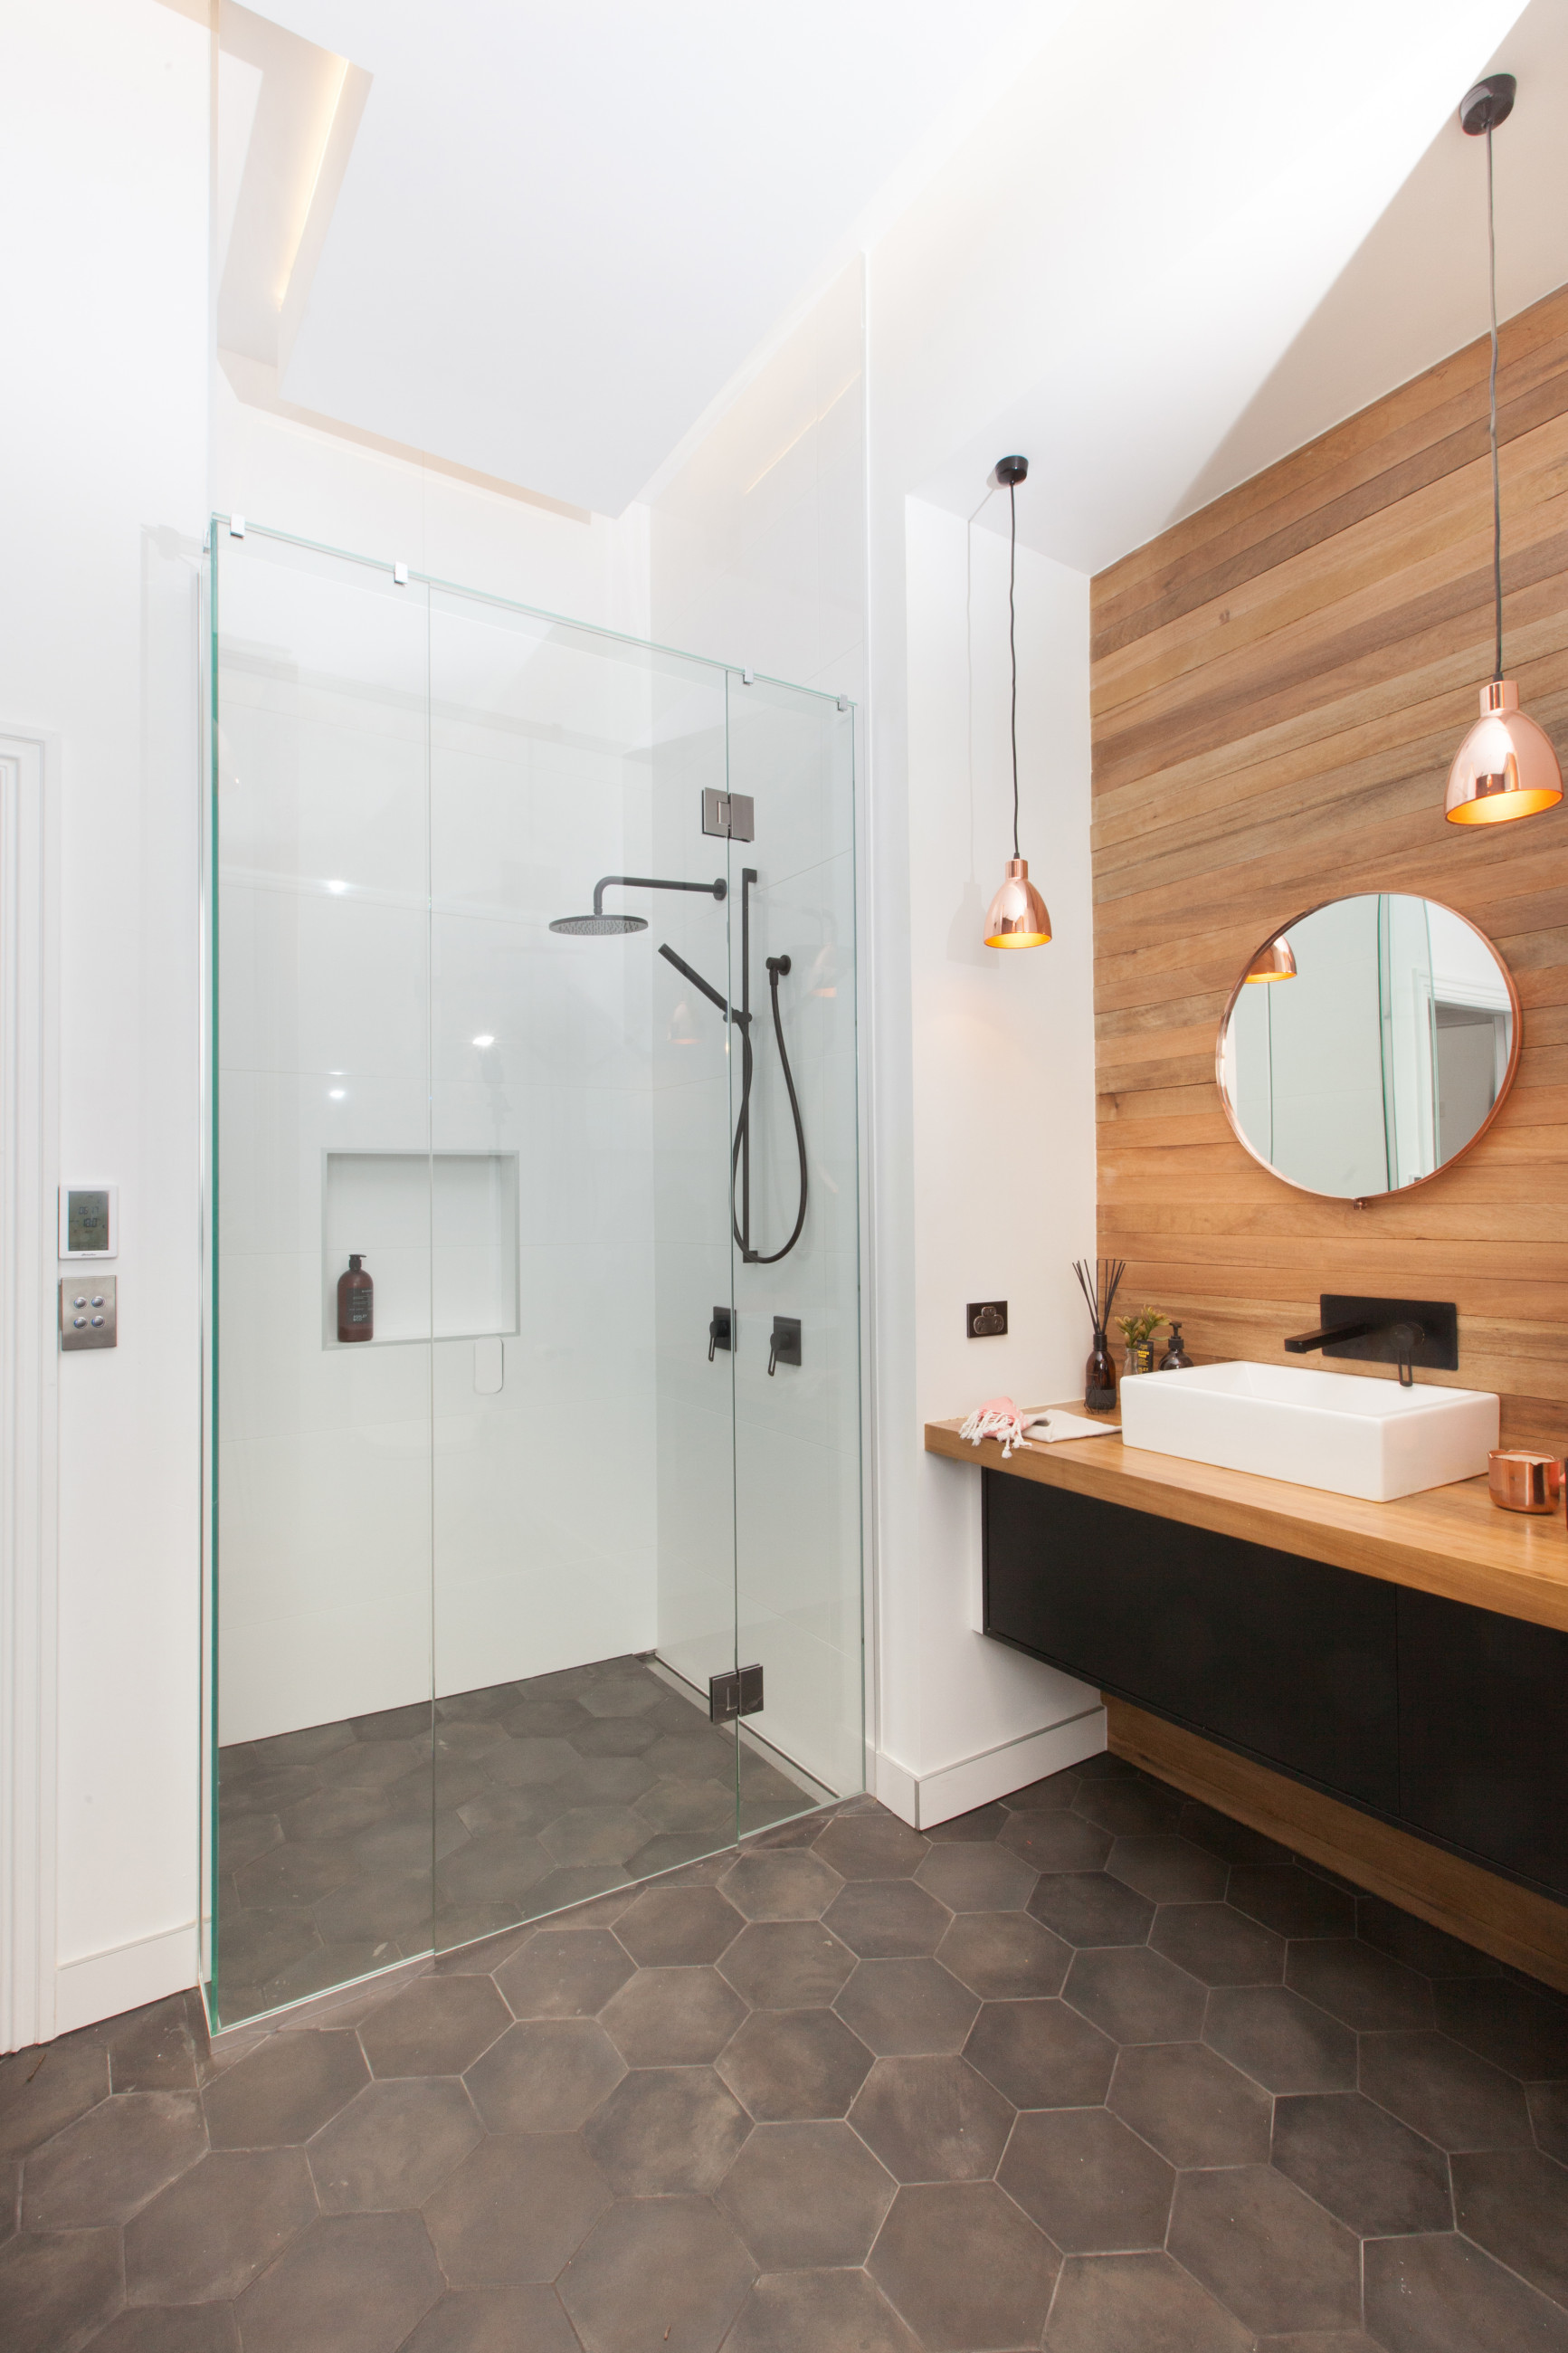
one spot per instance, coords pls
(1049, 1427)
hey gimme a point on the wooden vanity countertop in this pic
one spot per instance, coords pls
(1452, 1541)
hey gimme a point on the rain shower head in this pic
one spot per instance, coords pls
(600, 926)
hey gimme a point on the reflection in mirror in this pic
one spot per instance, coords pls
(1385, 1042)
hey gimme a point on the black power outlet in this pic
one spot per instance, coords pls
(985, 1319)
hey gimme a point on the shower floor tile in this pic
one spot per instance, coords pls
(543, 1792)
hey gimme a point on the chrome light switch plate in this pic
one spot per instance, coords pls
(88, 1312)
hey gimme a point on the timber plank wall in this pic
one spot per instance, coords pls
(1279, 684)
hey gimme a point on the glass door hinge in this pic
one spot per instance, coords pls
(737, 1691)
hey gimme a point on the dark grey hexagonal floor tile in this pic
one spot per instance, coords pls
(794, 2065)
(1233, 1841)
(546, 2074)
(571, 1883)
(1041, 2054)
(667, 1927)
(1431, 1950)
(1441, 2294)
(672, 2017)
(210, 2234)
(985, 1822)
(1191, 2105)
(807, 2196)
(169, 2328)
(1292, 1902)
(1056, 1841)
(1053, 1795)
(907, 2009)
(782, 1883)
(285, 2091)
(106, 2164)
(1090, 1907)
(787, 1963)
(666, 2131)
(1262, 2247)
(154, 2049)
(518, 2319)
(57, 2287)
(1549, 2118)
(932, 2119)
(1358, 1984)
(1092, 2186)
(350, 2284)
(242, 1836)
(563, 1973)
(1444, 2092)
(1129, 1809)
(44, 2087)
(978, 1878)
(393, 2146)
(888, 1919)
(506, 1812)
(614, 1735)
(1218, 1946)
(365, 1909)
(1521, 2031)
(1004, 1956)
(964, 2267)
(1142, 2304)
(809, 2312)
(688, 1809)
(1168, 1869)
(437, 2026)
(302, 1873)
(515, 2210)
(605, 1833)
(1364, 2165)
(872, 1846)
(665, 2271)
(544, 1761)
(1281, 2042)
(1135, 1994)
(1514, 2203)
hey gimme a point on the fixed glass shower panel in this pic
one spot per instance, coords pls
(321, 1460)
(492, 1012)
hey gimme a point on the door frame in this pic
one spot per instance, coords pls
(29, 1561)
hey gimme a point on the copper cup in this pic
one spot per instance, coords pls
(1522, 1481)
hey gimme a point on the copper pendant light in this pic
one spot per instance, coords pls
(1018, 916)
(1506, 767)
(1274, 962)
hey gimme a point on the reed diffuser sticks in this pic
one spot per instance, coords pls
(1099, 1285)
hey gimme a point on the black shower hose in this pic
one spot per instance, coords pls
(777, 967)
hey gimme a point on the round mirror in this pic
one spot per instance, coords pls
(1368, 1044)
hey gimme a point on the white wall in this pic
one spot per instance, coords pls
(103, 178)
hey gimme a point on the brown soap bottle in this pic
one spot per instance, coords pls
(356, 1302)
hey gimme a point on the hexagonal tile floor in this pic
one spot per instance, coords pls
(340, 1850)
(1093, 2070)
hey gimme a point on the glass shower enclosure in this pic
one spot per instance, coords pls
(535, 1562)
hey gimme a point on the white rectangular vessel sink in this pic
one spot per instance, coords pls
(1352, 1435)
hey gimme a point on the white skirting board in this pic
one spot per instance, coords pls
(923, 1799)
(102, 1985)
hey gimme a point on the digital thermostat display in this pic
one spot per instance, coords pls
(88, 1220)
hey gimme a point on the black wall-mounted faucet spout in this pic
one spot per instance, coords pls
(1403, 1332)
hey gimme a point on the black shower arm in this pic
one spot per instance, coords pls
(741, 1021)
(717, 890)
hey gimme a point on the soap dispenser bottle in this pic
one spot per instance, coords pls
(356, 1302)
(1176, 1359)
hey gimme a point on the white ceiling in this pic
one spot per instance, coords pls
(558, 229)
(566, 223)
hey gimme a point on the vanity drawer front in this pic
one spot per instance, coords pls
(1291, 1659)
(1483, 1739)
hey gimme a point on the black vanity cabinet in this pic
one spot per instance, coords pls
(1445, 1719)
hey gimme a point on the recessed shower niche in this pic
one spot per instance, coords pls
(438, 1234)
(468, 1581)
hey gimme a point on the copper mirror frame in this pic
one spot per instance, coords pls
(1243, 979)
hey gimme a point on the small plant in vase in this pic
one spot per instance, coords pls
(1138, 1330)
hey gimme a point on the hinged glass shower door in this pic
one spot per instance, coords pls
(477, 1019)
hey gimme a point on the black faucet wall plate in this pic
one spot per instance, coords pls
(721, 1331)
(784, 1348)
(1437, 1350)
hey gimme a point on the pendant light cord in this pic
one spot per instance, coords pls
(1497, 487)
(1013, 617)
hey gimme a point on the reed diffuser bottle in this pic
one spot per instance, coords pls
(1098, 1288)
